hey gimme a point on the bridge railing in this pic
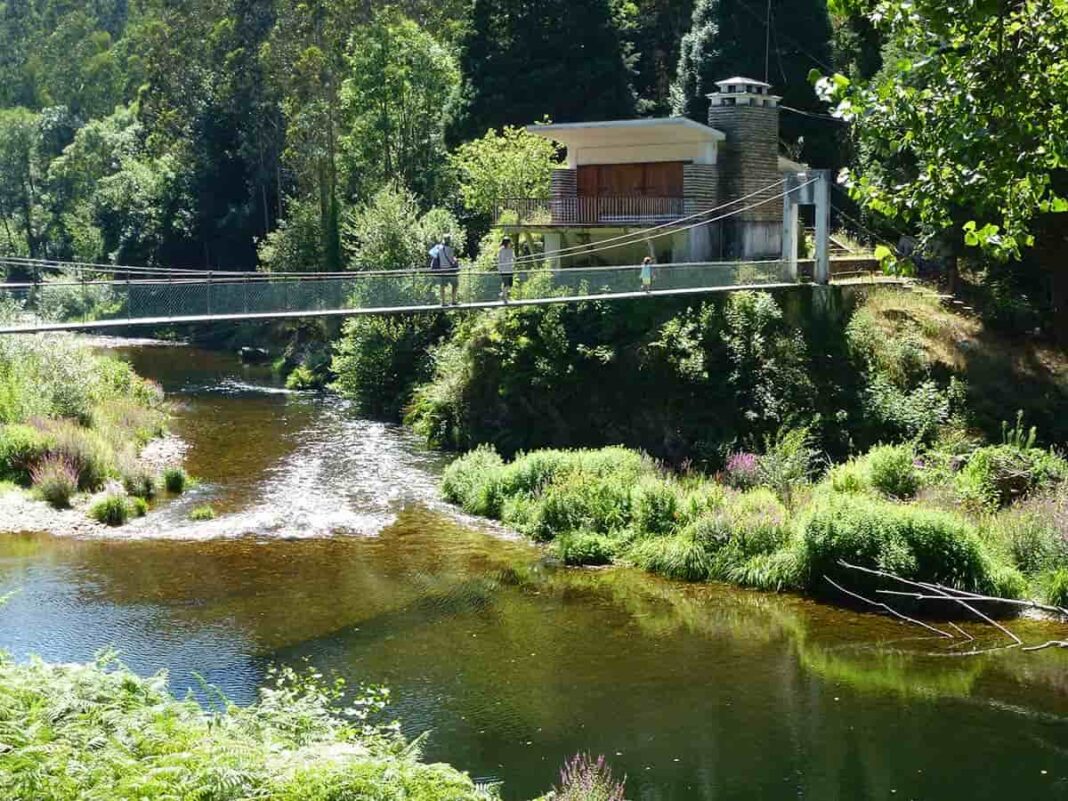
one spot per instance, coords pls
(158, 300)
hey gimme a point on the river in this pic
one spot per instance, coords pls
(331, 548)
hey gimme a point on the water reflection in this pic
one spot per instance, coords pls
(509, 661)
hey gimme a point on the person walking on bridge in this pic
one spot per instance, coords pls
(444, 264)
(506, 266)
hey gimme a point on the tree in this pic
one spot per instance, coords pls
(20, 180)
(655, 31)
(964, 128)
(389, 233)
(400, 83)
(513, 163)
(524, 59)
(731, 37)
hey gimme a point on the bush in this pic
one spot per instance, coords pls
(111, 510)
(584, 548)
(138, 507)
(301, 378)
(137, 479)
(86, 451)
(586, 779)
(1031, 540)
(1055, 587)
(892, 470)
(473, 481)
(21, 447)
(787, 461)
(101, 732)
(175, 480)
(656, 506)
(917, 544)
(742, 471)
(679, 557)
(55, 480)
(202, 513)
(580, 502)
(850, 477)
(1000, 474)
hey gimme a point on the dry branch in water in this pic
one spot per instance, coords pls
(962, 598)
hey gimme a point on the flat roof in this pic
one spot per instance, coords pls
(657, 130)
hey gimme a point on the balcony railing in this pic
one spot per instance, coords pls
(605, 210)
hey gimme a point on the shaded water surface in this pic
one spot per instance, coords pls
(331, 547)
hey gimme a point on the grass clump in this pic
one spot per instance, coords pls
(892, 470)
(679, 557)
(585, 548)
(111, 510)
(202, 513)
(55, 481)
(914, 543)
(100, 731)
(175, 480)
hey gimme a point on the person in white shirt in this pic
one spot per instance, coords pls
(506, 266)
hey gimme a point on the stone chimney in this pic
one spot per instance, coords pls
(743, 109)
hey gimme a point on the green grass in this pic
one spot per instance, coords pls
(100, 731)
(175, 480)
(614, 505)
(111, 510)
(202, 513)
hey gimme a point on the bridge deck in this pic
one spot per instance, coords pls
(258, 297)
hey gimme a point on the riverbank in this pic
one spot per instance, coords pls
(989, 522)
(83, 437)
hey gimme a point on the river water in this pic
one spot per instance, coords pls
(331, 548)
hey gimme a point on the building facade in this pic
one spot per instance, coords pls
(625, 176)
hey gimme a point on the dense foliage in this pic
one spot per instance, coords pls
(70, 418)
(614, 504)
(99, 731)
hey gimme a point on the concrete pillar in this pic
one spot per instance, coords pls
(553, 242)
(789, 227)
(822, 198)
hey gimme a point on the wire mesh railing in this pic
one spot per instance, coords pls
(83, 299)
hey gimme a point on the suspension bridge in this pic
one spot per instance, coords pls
(72, 296)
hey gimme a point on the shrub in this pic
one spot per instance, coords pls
(473, 481)
(1000, 474)
(292, 743)
(579, 501)
(586, 779)
(21, 447)
(742, 471)
(918, 544)
(175, 480)
(758, 522)
(137, 479)
(302, 377)
(584, 548)
(656, 506)
(678, 557)
(787, 461)
(850, 477)
(1054, 585)
(111, 510)
(202, 513)
(892, 470)
(55, 480)
(86, 451)
(1029, 539)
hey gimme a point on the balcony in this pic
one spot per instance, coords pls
(602, 210)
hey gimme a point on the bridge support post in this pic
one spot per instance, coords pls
(822, 198)
(809, 188)
(789, 226)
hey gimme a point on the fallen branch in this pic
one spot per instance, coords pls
(1050, 644)
(942, 594)
(888, 608)
(971, 596)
